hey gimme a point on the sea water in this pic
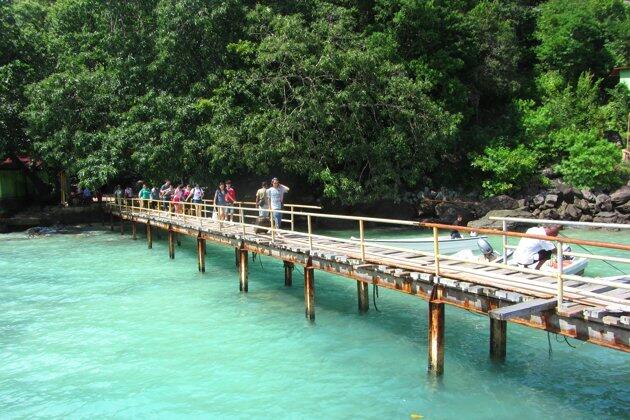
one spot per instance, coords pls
(97, 325)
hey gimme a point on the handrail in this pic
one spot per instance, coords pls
(561, 222)
(365, 254)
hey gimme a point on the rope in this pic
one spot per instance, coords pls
(549, 342)
(374, 296)
(587, 250)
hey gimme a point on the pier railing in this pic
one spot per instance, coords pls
(205, 215)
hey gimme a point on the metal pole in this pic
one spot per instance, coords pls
(436, 251)
(560, 259)
(504, 243)
(292, 218)
(310, 232)
(362, 238)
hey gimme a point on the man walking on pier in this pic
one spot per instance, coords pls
(530, 250)
(275, 195)
(230, 198)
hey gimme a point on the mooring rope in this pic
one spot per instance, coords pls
(374, 296)
(587, 250)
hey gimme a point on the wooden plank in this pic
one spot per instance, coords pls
(526, 308)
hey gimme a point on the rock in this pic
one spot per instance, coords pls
(588, 195)
(572, 213)
(577, 193)
(621, 196)
(603, 203)
(500, 202)
(586, 218)
(550, 201)
(536, 212)
(549, 214)
(521, 203)
(624, 209)
(447, 212)
(581, 204)
(566, 193)
(605, 217)
(623, 218)
(485, 221)
(538, 200)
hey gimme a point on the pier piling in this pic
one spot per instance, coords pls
(201, 254)
(436, 332)
(122, 226)
(111, 222)
(171, 243)
(363, 296)
(149, 236)
(288, 273)
(498, 339)
(309, 290)
(242, 270)
(134, 236)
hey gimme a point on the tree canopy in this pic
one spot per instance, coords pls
(364, 100)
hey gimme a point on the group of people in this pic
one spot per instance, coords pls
(223, 201)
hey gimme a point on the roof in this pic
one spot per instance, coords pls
(617, 70)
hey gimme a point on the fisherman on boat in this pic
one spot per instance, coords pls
(536, 251)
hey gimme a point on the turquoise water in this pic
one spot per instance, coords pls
(96, 324)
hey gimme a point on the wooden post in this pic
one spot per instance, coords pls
(171, 243)
(134, 236)
(201, 254)
(288, 274)
(309, 291)
(179, 242)
(237, 256)
(111, 221)
(436, 332)
(498, 339)
(122, 225)
(364, 296)
(149, 236)
(242, 271)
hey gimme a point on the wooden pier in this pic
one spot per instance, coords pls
(589, 309)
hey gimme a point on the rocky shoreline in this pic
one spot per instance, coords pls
(558, 203)
(38, 216)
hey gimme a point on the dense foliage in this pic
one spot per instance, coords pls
(362, 99)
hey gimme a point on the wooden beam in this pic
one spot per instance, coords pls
(436, 332)
(243, 261)
(149, 236)
(363, 296)
(523, 309)
(171, 244)
(134, 236)
(288, 273)
(309, 291)
(498, 339)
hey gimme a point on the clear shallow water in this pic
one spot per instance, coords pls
(98, 325)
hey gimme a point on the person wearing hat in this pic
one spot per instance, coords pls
(275, 197)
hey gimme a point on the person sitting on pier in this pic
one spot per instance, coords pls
(538, 251)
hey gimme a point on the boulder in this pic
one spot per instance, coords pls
(586, 218)
(603, 203)
(605, 217)
(624, 208)
(572, 213)
(588, 195)
(536, 212)
(549, 214)
(621, 196)
(623, 218)
(447, 212)
(499, 202)
(581, 204)
(566, 193)
(538, 200)
(550, 201)
(485, 221)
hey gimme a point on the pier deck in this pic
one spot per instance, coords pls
(590, 309)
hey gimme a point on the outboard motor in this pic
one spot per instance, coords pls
(485, 248)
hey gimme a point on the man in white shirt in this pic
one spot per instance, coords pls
(275, 196)
(530, 251)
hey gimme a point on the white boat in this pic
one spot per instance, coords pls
(571, 265)
(446, 244)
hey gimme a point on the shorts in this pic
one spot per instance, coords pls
(197, 200)
(230, 209)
